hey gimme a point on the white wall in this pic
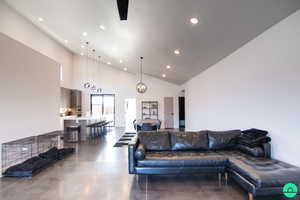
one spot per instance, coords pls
(22, 30)
(122, 84)
(257, 86)
(29, 92)
(115, 81)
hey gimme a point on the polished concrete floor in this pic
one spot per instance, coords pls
(99, 171)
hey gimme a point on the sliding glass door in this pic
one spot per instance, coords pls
(103, 105)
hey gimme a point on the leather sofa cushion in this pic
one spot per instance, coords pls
(183, 159)
(189, 140)
(256, 151)
(155, 141)
(263, 172)
(223, 139)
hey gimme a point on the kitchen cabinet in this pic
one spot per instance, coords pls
(76, 101)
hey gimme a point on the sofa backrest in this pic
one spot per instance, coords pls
(155, 140)
(177, 140)
(189, 140)
(223, 139)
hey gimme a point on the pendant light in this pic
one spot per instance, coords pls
(93, 87)
(87, 84)
(99, 90)
(140, 86)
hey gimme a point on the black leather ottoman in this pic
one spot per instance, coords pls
(182, 159)
(182, 162)
(262, 176)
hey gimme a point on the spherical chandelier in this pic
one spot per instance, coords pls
(87, 84)
(99, 90)
(93, 88)
(140, 86)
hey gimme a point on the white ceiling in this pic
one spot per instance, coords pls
(155, 28)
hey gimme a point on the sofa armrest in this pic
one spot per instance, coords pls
(267, 149)
(131, 154)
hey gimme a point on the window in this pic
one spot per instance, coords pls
(103, 105)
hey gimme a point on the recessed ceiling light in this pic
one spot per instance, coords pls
(84, 33)
(125, 68)
(82, 54)
(82, 46)
(121, 61)
(194, 20)
(177, 52)
(102, 27)
(66, 41)
(168, 67)
(164, 76)
(109, 63)
(40, 19)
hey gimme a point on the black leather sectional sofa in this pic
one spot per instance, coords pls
(211, 152)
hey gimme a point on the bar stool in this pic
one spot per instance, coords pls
(100, 128)
(92, 130)
(73, 133)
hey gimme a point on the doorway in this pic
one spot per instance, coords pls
(181, 109)
(103, 105)
(169, 112)
(130, 114)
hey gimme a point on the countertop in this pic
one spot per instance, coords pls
(74, 117)
(87, 119)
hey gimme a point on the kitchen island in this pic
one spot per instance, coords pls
(84, 123)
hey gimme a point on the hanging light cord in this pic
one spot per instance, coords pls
(93, 61)
(141, 70)
(87, 62)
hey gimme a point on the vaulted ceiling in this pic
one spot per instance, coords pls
(155, 28)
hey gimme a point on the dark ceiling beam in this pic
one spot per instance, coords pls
(123, 8)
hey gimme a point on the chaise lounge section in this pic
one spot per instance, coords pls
(166, 152)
